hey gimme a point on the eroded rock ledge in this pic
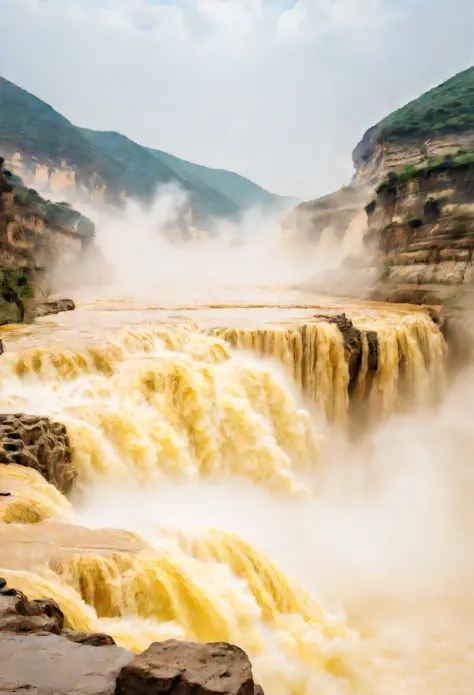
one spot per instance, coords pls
(40, 656)
(52, 306)
(39, 443)
(352, 337)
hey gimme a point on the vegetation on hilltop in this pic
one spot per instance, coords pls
(32, 127)
(448, 108)
(143, 170)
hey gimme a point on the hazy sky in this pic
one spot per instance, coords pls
(277, 90)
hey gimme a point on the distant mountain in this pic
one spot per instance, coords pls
(445, 110)
(114, 164)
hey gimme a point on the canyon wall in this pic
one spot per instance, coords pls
(374, 158)
(30, 248)
(57, 176)
(423, 226)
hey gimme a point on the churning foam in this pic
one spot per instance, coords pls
(207, 436)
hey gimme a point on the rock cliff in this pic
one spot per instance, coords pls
(333, 212)
(35, 237)
(423, 223)
(414, 179)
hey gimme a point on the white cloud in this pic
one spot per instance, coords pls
(279, 90)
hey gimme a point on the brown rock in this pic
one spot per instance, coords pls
(52, 665)
(52, 307)
(18, 614)
(39, 443)
(93, 639)
(188, 669)
(353, 344)
(423, 228)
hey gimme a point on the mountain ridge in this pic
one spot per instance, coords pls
(444, 110)
(115, 164)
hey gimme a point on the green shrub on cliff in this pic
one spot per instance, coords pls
(59, 214)
(461, 160)
(15, 291)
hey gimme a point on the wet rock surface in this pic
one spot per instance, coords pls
(19, 615)
(39, 655)
(39, 443)
(93, 639)
(52, 307)
(188, 669)
(52, 665)
(352, 337)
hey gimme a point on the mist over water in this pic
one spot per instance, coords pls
(178, 437)
(144, 255)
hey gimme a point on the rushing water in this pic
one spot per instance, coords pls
(222, 496)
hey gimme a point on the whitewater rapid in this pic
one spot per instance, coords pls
(220, 496)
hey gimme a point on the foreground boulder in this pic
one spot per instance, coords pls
(188, 669)
(39, 443)
(52, 665)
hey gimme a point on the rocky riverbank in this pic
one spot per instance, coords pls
(39, 654)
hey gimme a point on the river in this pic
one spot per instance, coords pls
(230, 489)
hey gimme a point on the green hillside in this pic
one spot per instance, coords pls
(243, 192)
(448, 108)
(31, 126)
(145, 170)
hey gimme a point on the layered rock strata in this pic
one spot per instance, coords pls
(424, 230)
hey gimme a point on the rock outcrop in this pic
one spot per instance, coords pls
(423, 225)
(31, 246)
(38, 655)
(39, 443)
(52, 306)
(352, 337)
(21, 616)
(189, 669)
(93, 639)
(333, 212)
(374, 158)
(18, 614)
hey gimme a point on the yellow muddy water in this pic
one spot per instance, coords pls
(220, 496)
